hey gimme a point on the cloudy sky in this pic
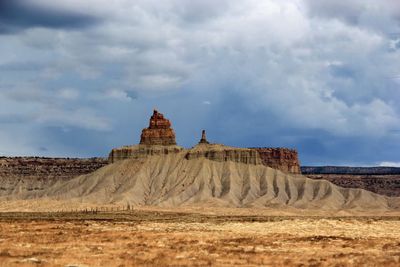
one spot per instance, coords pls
(80, 77)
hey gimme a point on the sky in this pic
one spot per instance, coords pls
(78, 78)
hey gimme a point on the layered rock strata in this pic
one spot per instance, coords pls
(141, 152)
(159, 131)
(156, 139)
(19, 174)
(283, 159)
(213, 152)
(217, 152)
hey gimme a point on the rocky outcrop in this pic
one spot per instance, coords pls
(214, 152)
(159, 131)
(159, 134)
(18, 174)
(203, 139)
(157, 139)
(141, 152)
(283, 159)
(217, 152)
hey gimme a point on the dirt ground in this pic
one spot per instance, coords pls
(154, 238)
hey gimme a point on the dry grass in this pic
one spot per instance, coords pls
(159, 238)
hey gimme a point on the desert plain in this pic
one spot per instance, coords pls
(198, 237)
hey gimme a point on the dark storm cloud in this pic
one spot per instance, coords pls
(16, 15)
(319, 76)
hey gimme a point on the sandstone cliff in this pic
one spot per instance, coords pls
(141, 152)
(283, 159)
(217, 152)
(159, 139)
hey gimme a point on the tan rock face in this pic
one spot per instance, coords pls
(141, 152)
(159, 131)
(221, 153)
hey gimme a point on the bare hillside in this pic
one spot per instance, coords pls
(173, 180)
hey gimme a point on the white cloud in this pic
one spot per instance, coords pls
(117, 94)
(155, 82)
(389, 164)
(320, 65)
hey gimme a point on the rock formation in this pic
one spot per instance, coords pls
(283, 159)
(33, 174)
(159, 131)
(19, 174)
(141, 152)
(203, 139)
(173, 180)
(221, 153)
(159, 139)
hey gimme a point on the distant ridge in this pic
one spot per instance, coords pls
(350, 170)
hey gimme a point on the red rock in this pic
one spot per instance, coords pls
(283, 159)
(159, 131)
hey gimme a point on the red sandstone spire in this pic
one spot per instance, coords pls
(159, 131)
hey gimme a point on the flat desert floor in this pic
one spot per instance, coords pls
(166, 238)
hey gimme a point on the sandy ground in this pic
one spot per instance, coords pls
(160, 238)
